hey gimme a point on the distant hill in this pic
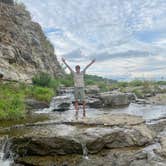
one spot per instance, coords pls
(96, 78)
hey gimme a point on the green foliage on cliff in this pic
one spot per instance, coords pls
(11, 102)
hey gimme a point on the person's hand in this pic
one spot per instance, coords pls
(63, 60)
(93, 60)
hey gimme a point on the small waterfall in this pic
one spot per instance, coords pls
(84, 151)
(3, 161)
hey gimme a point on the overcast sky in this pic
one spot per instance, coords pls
(127, 37)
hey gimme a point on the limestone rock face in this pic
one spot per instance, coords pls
(9, 2)
(24, 49)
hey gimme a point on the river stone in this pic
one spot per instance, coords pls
(92, 89)
(60, 103)
(60, 139)
(158, 125)
(35, 104)
(134, 156)
(162, 150)
(114, 99)
(131, 96)
(94, 102)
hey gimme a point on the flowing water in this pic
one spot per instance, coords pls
(147, 111)
(84, 151)
(3, 161)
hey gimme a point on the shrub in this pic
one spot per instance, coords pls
(161, 82)
(136, 83)
(40, 93)
(42, 79)
(138, 93)
(122, 84)
(11, 102)
(103, 87)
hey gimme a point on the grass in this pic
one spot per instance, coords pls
(140, 87)
(13, 95)
(11, 102)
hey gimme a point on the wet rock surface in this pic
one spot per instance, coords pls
(60, 103)
(108, 140)
(122, 136)
(70, 138)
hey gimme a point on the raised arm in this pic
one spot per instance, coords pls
(64, 61)
(89, 65)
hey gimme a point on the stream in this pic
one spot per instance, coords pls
(147, 111)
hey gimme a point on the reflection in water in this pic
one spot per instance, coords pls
(146, 111)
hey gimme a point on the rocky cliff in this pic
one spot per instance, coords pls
(24, 49)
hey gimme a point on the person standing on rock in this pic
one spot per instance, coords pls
(79, 85)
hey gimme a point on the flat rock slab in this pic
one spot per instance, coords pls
(60, 139)
(116, 120)
(104, 120)
(109, 157)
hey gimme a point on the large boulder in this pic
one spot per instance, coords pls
(92, 90)
(114, 99)
(69, 138)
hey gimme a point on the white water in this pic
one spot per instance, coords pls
(84, 151)
(3, 162)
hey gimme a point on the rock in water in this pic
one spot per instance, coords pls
(114, 99)
(60, 103)
(24, 49)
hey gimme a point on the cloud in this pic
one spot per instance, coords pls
(110, 31)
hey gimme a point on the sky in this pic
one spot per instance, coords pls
(126, 37)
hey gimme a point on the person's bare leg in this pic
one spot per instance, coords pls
(76, 107)
(84, 112)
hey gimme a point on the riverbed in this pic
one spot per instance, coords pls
(147, 111)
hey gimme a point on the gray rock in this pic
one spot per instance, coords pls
(114, 99)
(131, 96)
(34, 104)
(9, 2)
(52, 139)
(24, 49)
(92, 90)
(94, 103)
(60, 103)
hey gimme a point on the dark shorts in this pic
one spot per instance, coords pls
(79, 93)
